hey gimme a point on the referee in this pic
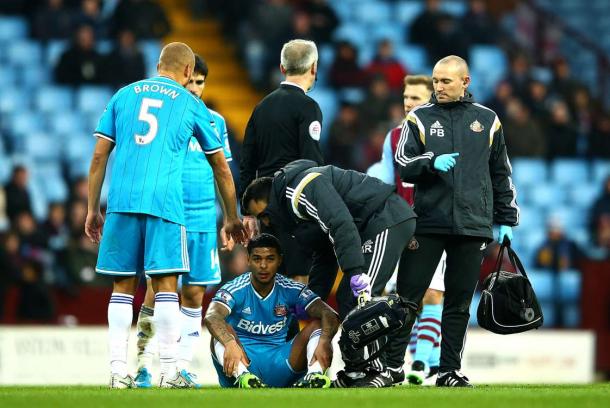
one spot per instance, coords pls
(453, 150)
(285, 126)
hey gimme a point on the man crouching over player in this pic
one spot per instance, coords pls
(249, 319)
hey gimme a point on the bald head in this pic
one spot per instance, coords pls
(177, 61)
(450, 79)
(456, 63)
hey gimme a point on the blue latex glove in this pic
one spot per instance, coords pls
(360, 283)
(445, 162)
(505, 231)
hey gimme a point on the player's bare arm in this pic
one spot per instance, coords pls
(329, 321)
(224, 180)
(215, 321)
(97, 172)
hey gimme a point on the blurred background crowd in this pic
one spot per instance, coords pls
(538, 64)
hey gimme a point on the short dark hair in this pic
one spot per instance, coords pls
(259, 189)
(264, 241)
(201, 67)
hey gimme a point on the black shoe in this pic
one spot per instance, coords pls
(344, 381)
(452, 379)
(398, 375)
(417, 375)
(433, 371)
(375, 379)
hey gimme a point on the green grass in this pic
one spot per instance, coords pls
(572, 396)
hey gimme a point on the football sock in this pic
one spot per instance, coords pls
(167, 319)
(146, 342)
(435, 355)
(189, 333)
(428, 331)
(219, 349)
(413, 338)
(314, 339)
(120, 315)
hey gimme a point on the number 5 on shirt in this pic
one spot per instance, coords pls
(150, 118)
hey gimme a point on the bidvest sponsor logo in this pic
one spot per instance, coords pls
(260, 328)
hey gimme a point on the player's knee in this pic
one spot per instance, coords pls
(125, 285)
(433, 297)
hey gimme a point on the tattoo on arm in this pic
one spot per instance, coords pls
(328, 317)
(215, 321)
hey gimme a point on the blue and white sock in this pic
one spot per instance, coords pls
(312, 344)
(167, 319)
(428, 331)
(190, 332)
(120, 316)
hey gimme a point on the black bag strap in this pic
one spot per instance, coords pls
(512, 257)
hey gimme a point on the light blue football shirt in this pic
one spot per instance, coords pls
(198, 182)
(151, 122)
(258, 320)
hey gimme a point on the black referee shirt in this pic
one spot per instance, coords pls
(285, 126)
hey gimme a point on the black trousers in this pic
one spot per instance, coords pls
(381, 256)
(417, 265)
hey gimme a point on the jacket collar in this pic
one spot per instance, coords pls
(467, 98)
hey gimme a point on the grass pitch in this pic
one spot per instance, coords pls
(572, 396)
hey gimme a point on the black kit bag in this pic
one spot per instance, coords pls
(373, 319)
(508, 303)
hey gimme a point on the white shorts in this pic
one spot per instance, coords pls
(438, 280)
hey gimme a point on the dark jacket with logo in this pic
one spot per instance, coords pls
(479, 190)
(285, 126)
(345, 204)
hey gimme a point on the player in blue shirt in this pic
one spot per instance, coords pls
(249, 317)
(151, 123)
(200, 216)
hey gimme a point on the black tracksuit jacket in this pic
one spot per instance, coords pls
(340, 201)
(479, 190)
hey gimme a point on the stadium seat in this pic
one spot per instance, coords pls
(372, 12)
(14, 99)
(105, 46)
(41, 147)
(546, 195)
(571, 316)
(151, 50)
(533, 238)
(8, 74)
(413, 57)
(570, 216)
(5, 169)
(601, 171)
(34, 76)
(38, 200)
(66, 123)
(13, 28)
(406, 11)
(356, 33)
(352, 95)
(529, 172)
(583, 195)
(26, 122)
(489, 62)
(343, 9)
(24, 52)
(543, 282)
(568, 172)
(570, 282)
(80, 148)
(392, 32)
(54, 50)
(54, 188)
(456, 8)
(328, 104)
(531, 217)
(93, 99)
(581, 236)
(549, 313)
(54, 99)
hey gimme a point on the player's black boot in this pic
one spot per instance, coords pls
(453, 379)
(375, 379)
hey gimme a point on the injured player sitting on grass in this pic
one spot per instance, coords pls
(249, 317)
